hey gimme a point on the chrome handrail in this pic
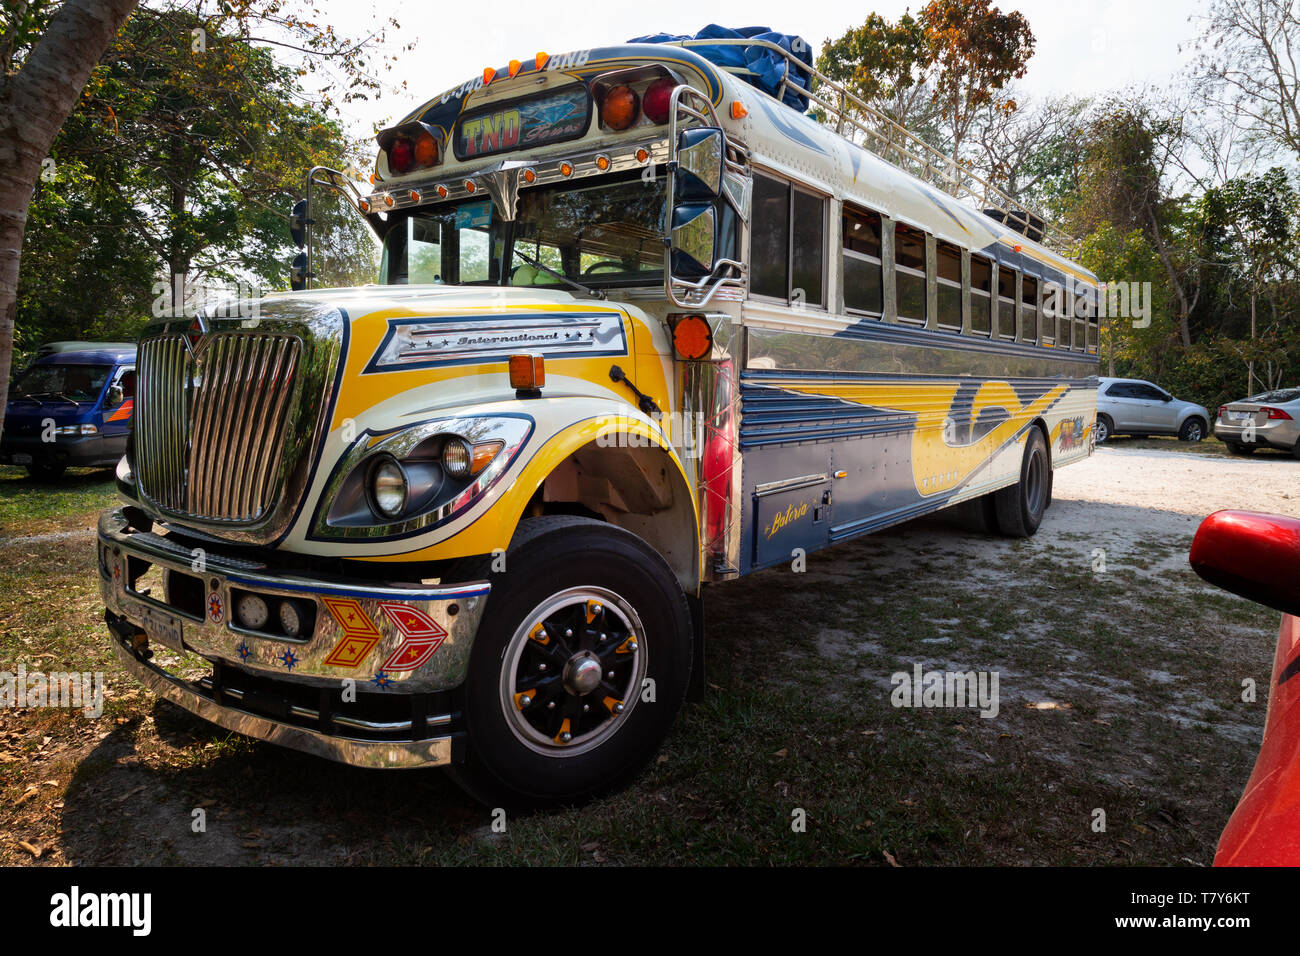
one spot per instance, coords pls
(932, 161)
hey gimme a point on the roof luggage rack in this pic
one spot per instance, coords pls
(898, 146)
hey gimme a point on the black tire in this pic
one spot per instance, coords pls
(978, 515)
(46, 472)
(1237, 448)
(1104, 428)
(1020, 507)
(540, 612)
(1295, 450)
(1193, 429)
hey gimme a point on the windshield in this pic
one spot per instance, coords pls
(73, 383)
(603, 234)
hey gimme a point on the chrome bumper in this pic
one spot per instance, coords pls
(191, 695)
(393, 638)
(367, 685)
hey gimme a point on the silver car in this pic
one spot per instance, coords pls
(1130, 406)
(1269, 419)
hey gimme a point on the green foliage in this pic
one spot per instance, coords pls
(182, 158)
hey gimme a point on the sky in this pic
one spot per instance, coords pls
(1084, 47)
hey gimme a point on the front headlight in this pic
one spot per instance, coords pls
(456, 458)
(388, 487)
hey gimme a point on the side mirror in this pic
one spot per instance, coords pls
(1167, 398)
(115, 396)
(298, 272)
(1254, 555)
(698, 176)
(694, 240)
(298, 222)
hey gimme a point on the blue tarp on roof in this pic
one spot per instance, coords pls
(766, 68)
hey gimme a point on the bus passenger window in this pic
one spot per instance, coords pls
(1006, 304)
(1029, 306)
(809, 236)
(949, 302)
(1053, 299)
(770, 243)
(981, 296)
(863, 288)
(909, 262)
(1077, 344)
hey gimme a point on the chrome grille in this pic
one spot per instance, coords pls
(211, 428)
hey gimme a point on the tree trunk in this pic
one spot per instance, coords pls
(34, 103)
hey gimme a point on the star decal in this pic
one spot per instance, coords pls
(289, 659)
(382, 681)
(244, 651)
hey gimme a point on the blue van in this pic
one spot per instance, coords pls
(70, 407)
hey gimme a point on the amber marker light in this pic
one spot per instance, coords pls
(469, 186)
(414, 195)
(620, 107)
(442, 192)
(364, 205)
(541, 60)
(602, 163)
(426, 150)
(527, 372)
(483, 454)
(738, 110)
(529, 176)
(388, 200)
(642, 155)
(489, 75)
(566, 169)
(692, 337)
(514, 68)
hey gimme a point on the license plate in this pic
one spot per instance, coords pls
(1240, 416)
(163, 628)
(20, 458)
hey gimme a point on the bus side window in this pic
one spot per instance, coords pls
(948, 259)
(863, 276)
(909, 271)
(981, 296)
(1029, 306)
(808, 255)
(1006, 303)
(769, 251)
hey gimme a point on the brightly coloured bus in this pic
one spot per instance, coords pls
(641, 327)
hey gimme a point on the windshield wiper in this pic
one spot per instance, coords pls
(54, 395)
(595, 293)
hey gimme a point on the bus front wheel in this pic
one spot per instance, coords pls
(1020, 507)
(579, 667)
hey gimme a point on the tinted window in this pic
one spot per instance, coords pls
(1006, 304)
(76, 383)
(863, 288)
(948, 267)
(981, 285)
(770, 238)
(909, 259)
(809, 244)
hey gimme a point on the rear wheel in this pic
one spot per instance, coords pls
(1104, 428)
(1193, 430)
(580, 665)
(1020, 507)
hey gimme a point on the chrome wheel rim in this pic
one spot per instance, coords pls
(1194, 433)
(1102, 431)
(572, 671)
